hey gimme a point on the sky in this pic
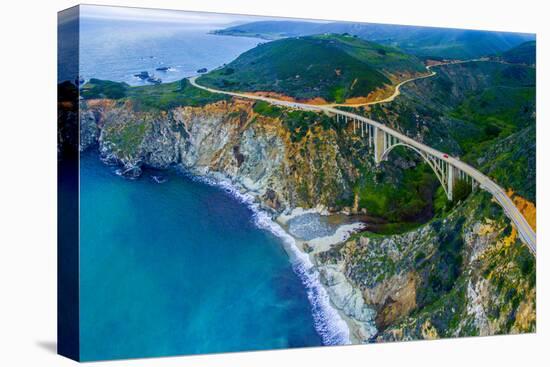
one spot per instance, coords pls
(169, 16)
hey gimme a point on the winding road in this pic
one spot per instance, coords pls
(397, 89)
(525, 231)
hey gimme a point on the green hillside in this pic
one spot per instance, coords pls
(150, 97)
(333, 67)
(526, 54)
(482, 112)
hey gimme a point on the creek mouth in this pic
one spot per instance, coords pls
(312, 225)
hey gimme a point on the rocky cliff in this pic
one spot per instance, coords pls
(466, 274)
(257, 152)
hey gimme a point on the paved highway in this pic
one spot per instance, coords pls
(397, 89)
(525, 231)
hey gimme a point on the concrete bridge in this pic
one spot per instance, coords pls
(383, 139)
(383, 142)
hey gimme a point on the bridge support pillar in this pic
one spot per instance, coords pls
(452, 174)
(379, 145)
(371, 135)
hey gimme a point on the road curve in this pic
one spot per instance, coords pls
(396, 93)
(525, 231)
(397, 89)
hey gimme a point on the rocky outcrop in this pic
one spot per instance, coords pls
(467, 274)
(349, 301)
(89, 131)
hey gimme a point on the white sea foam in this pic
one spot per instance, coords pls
(329, 324)
(327, 321)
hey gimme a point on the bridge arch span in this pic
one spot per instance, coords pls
(383, 139)
(440, 174)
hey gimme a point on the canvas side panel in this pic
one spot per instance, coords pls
(68, 185)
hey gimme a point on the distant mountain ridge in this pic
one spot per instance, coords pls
(525, 53)
(420, 41)
(272, 30)
(332, 67)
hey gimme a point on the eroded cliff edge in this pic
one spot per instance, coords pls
(228, 138)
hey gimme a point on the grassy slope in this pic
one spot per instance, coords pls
(150, 97)
(504, 115)
(500, 104)
(511, 161)
(332, 67)
(526, 53)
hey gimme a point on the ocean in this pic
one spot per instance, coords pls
(189, 265)
(117, 50)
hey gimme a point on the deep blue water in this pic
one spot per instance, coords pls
(181, 268)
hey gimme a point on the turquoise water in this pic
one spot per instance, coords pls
(181, 268)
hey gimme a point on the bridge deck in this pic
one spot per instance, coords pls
(525, 231)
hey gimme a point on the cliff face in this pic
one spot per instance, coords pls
(467, 274)
(228, 138)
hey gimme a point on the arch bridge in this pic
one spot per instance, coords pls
(383, 139)
(382, 142)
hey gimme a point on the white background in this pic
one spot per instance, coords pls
(28, 182)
